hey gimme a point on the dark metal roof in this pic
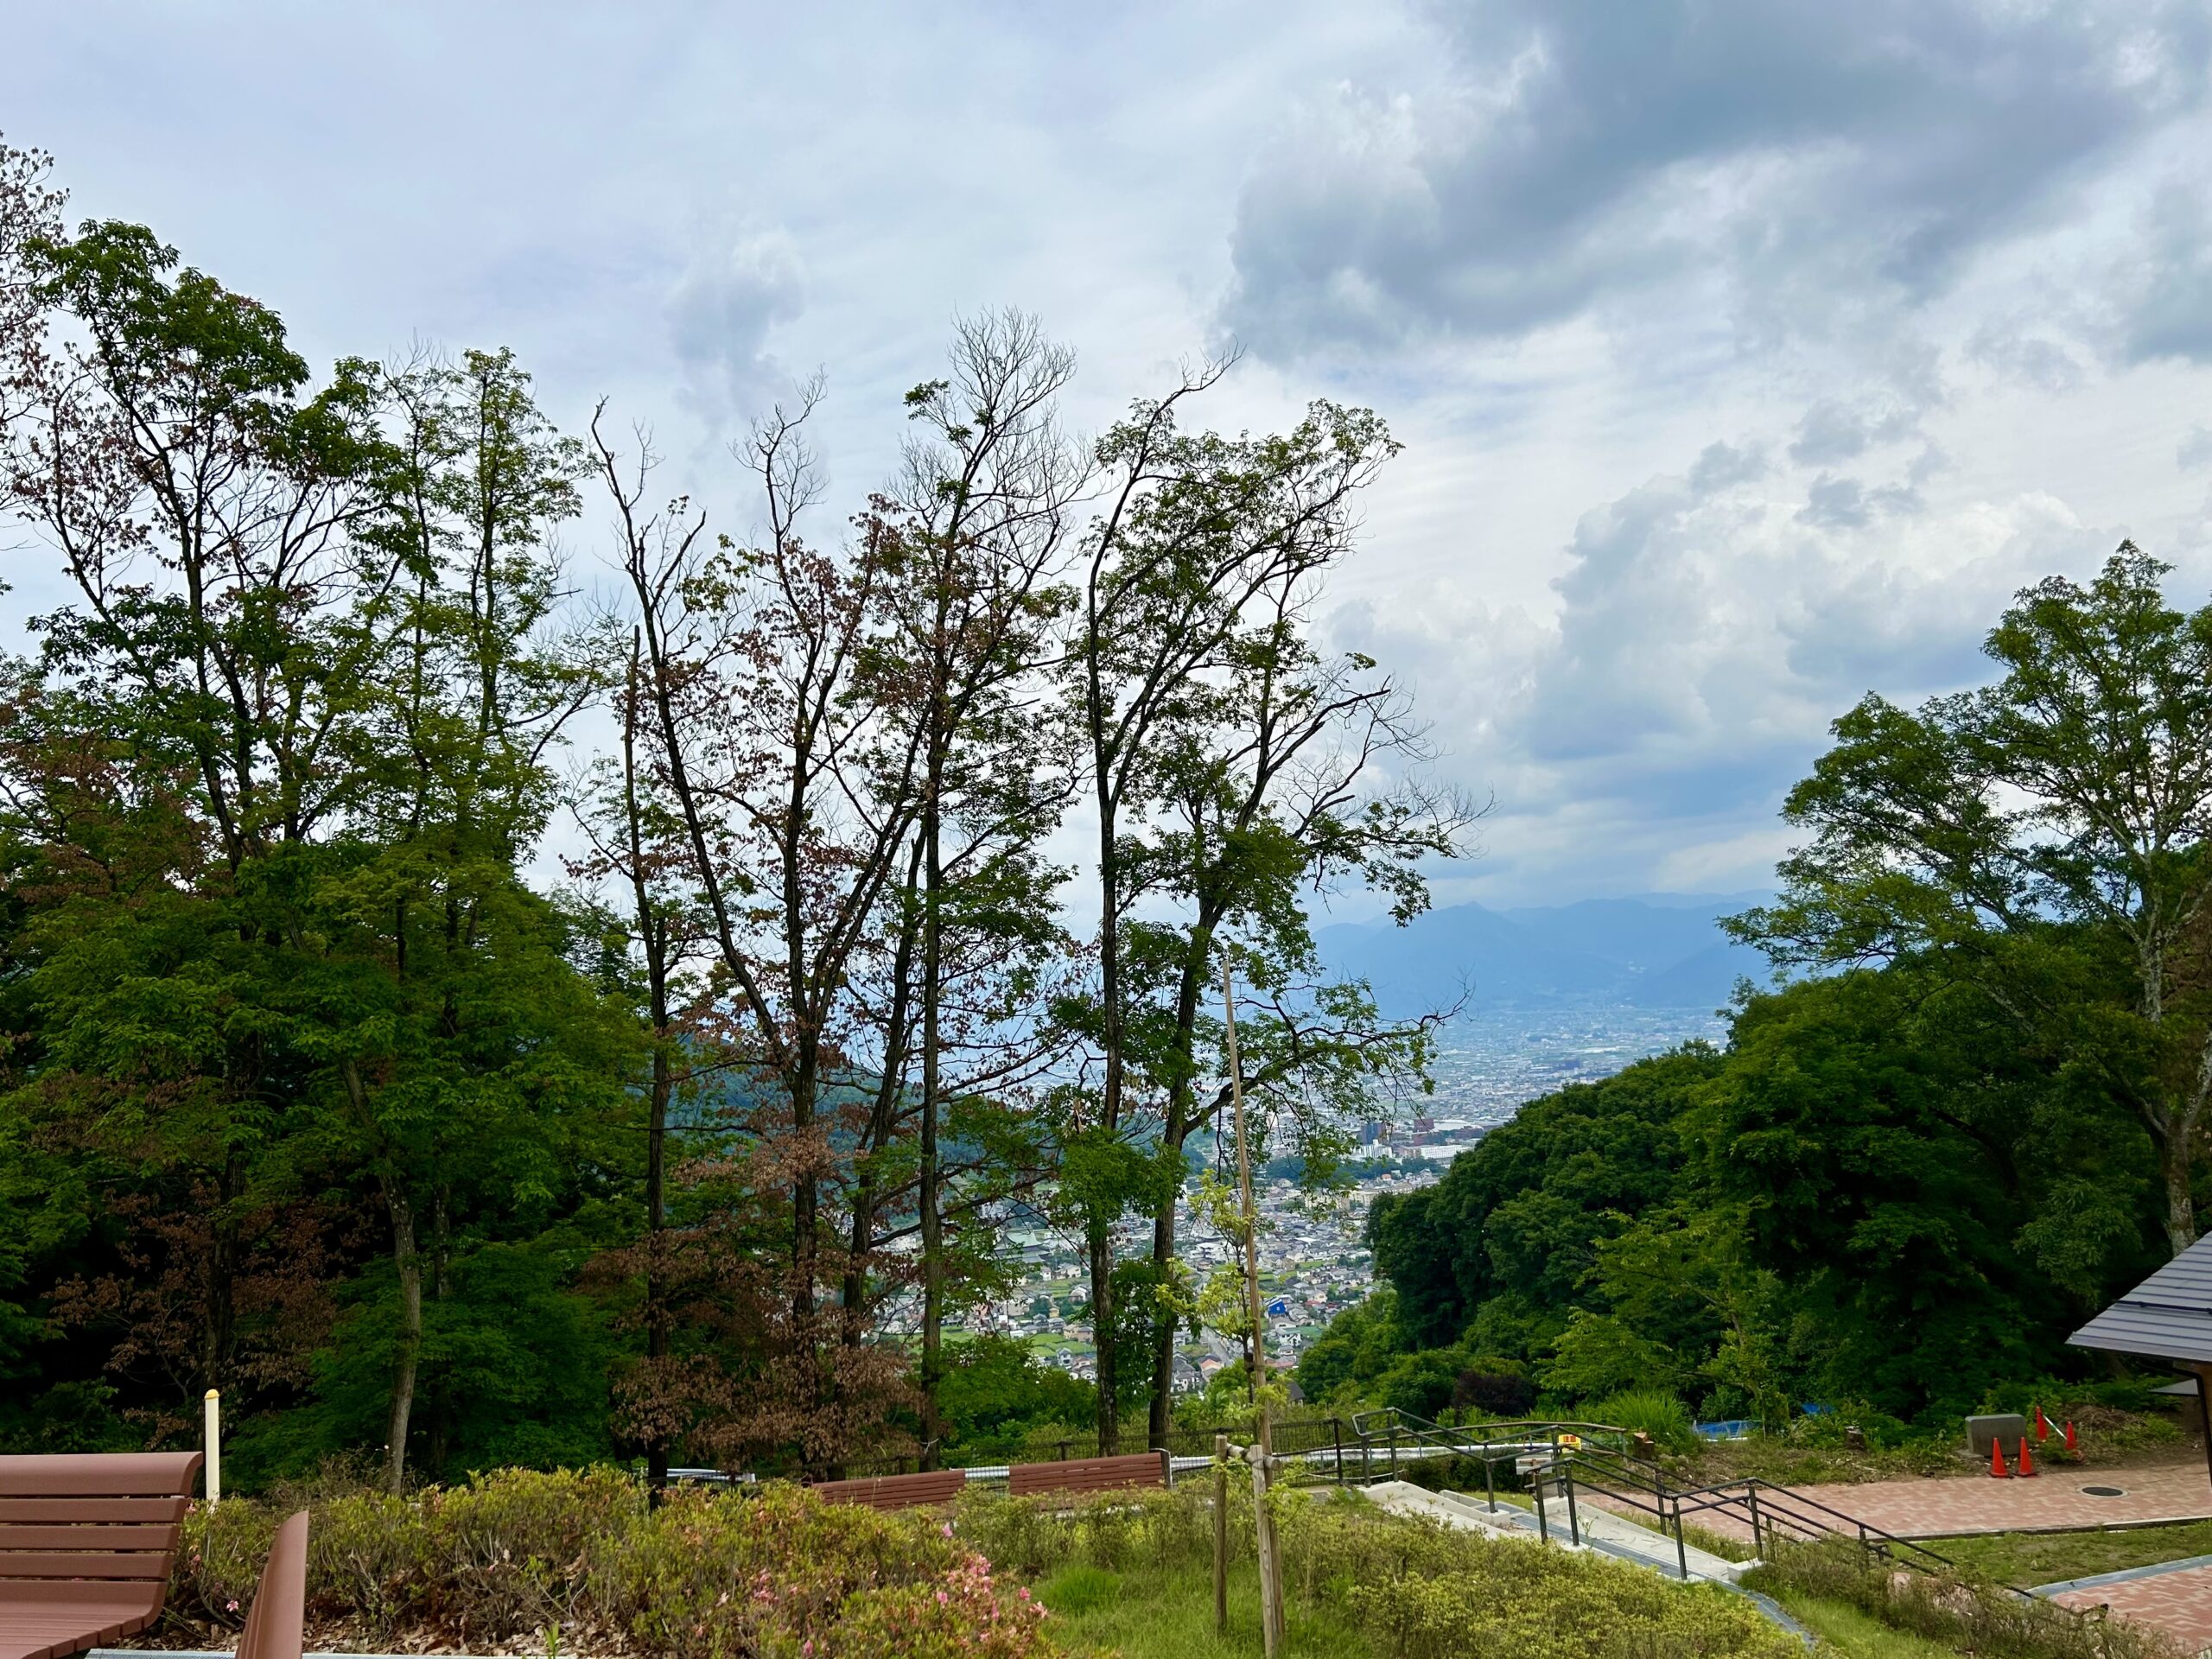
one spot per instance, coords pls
(2168, 1316)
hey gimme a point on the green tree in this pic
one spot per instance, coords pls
(2044, 838)
(1229, 762)
(320, 620)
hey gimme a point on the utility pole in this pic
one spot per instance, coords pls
(1262, 1453)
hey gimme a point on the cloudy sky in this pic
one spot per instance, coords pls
(1748, 352)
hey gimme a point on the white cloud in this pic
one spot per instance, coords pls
(1749, 352)
(722, 313)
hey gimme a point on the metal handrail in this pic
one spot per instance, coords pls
(1783, 1508)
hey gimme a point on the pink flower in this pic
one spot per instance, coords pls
(231, 1606)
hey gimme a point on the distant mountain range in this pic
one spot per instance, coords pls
(1654, 951)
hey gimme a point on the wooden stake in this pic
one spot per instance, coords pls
(1221, 1534)
(1271, 1619)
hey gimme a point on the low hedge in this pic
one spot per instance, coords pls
(577, 1558)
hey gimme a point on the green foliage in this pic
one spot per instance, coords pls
(1656, 1413)
(996, 1395)
(1868, 1196)
(1358, 1344)
(515, 1555)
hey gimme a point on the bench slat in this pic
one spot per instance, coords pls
(85, 1564)
(54, 1640)
(41, 1510)
(14, 1537)
(133, 1474)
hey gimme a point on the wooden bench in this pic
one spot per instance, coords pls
(277, 1626)
(1089, 1474)
(894, 1492)
(85, 1545)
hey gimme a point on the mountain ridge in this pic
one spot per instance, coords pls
(1647, 950)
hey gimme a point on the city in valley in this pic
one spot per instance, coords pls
(1315, 1261)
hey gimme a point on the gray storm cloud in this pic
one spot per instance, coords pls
(1585, 149)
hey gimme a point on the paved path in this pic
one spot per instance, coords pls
(2176, 1597)
(2053, 1500)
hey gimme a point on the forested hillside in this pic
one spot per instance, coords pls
(1908, 1176)
(505, 960)
(309, 1093)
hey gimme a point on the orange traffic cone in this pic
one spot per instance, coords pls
(2043, 1425)
(2069, 1434)
(2027, 1463)
(1997, 1468)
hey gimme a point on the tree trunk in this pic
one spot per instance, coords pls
(652, 932)
(1160, 1418)
(1099, 1234)
(656, 1230)
(2175, 1164)
(932, 1218)
(1101, 1241)
(224, 1249)
(409, 1264)
(441, 1274)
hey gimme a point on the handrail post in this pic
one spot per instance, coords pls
(1752, 1497)
(1682, 1543)
(1337, 1431)
(1489, 1484)
(1573, 1525)
(1543, 1520)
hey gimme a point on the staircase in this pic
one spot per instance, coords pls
(1590, 1493)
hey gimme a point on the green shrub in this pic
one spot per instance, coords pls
(720, 1574)
(1653, 1411)
(709, 1575)
(964, 1616)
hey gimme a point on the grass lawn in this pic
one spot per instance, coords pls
(2032, 1558)
(1853, 1635)
(1154, 1615)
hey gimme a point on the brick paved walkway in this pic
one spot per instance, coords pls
(2178, 1603)
(2053, 1500)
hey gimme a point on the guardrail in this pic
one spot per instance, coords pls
(1770, 1513)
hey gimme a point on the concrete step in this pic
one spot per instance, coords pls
(1602, 1531)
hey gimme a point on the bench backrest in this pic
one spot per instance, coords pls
(95, 1524)
(896, 1491)
(277, 1628)
(1089, 1474)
